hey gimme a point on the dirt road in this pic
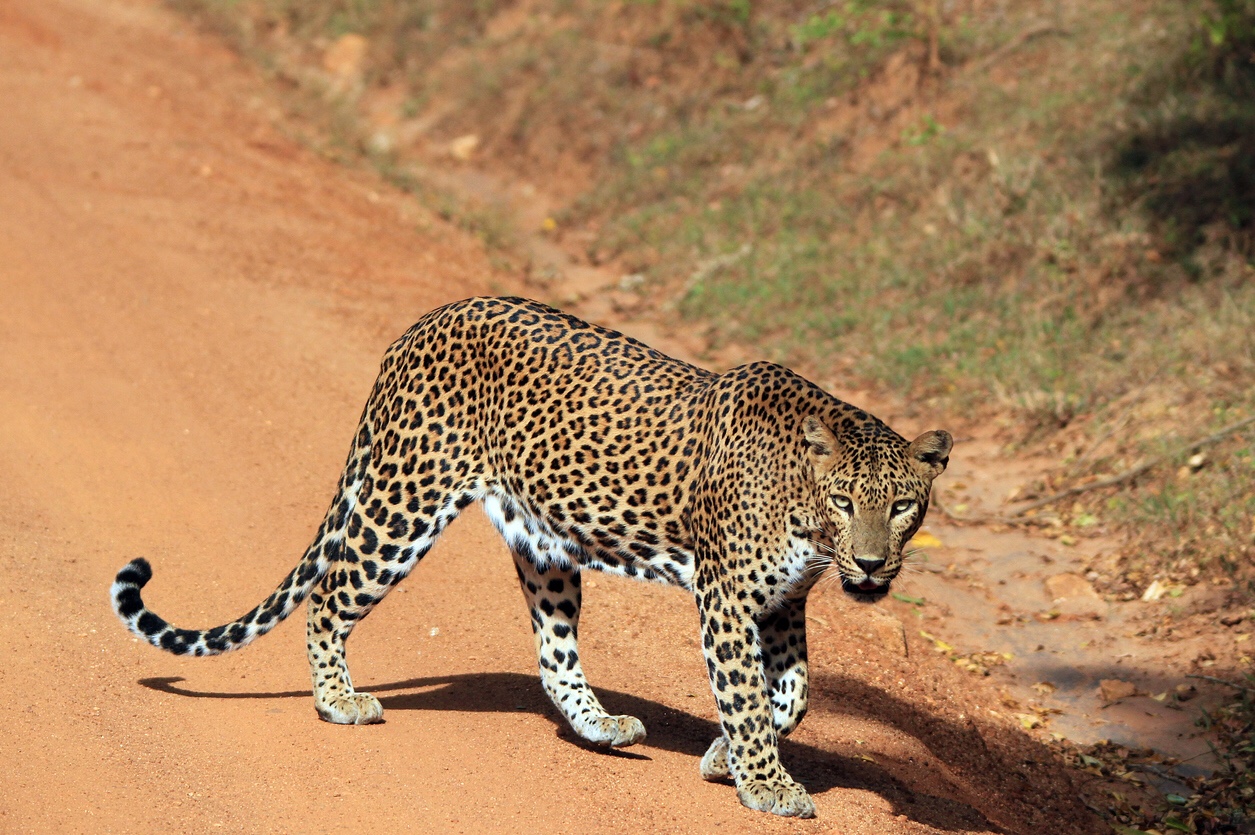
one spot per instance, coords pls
(192, 308)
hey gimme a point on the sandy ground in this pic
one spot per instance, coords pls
(192, 308)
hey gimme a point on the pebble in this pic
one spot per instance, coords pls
(1072, 594)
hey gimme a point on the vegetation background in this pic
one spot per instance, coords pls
(1038, 213)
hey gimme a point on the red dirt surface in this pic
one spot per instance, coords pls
(193, 307)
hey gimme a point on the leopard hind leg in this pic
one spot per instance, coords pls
(382, 544)
(550, 580)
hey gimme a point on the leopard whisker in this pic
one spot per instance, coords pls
(826, 580)
(830, 577)
(823, 549)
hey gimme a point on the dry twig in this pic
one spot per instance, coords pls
(705, 270)
(1133, 472)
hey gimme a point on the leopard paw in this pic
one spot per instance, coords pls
(714, 765)
(628, 730)
(615, 731)
(355, 709)
(780, 797)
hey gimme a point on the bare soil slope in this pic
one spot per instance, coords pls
(191, 311)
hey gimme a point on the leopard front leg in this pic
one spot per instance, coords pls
(782, 638)
(553, 601)
(733, 646)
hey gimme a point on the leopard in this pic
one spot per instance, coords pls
(589, 450)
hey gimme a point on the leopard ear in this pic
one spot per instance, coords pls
(821, 444)
(930, 452)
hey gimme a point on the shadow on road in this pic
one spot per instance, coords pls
(671, 730)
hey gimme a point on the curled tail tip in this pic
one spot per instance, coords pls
(135, 573)
(142, 623)
(125, 596)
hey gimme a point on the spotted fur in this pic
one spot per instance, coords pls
(589, 450)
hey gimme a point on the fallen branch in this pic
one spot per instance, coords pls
(1031, 33)
(1224, 682)
(1133, 472)
(1161, 773)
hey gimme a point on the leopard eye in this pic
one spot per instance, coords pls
(843, 503)
(902, 506)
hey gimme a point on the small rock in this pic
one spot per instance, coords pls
(1067, 586)
(1072, 594)
(1113, 690)
(886, 632)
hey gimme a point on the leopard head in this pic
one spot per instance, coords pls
(872, 490)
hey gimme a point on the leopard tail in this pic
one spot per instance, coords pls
(296, 586)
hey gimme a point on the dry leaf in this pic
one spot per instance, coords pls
(924, 539)
(464, 147)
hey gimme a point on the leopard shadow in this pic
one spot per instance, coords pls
(670, 729)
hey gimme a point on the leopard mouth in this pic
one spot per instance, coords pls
(866, 590)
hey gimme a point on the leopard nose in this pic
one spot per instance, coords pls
(869, 566)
